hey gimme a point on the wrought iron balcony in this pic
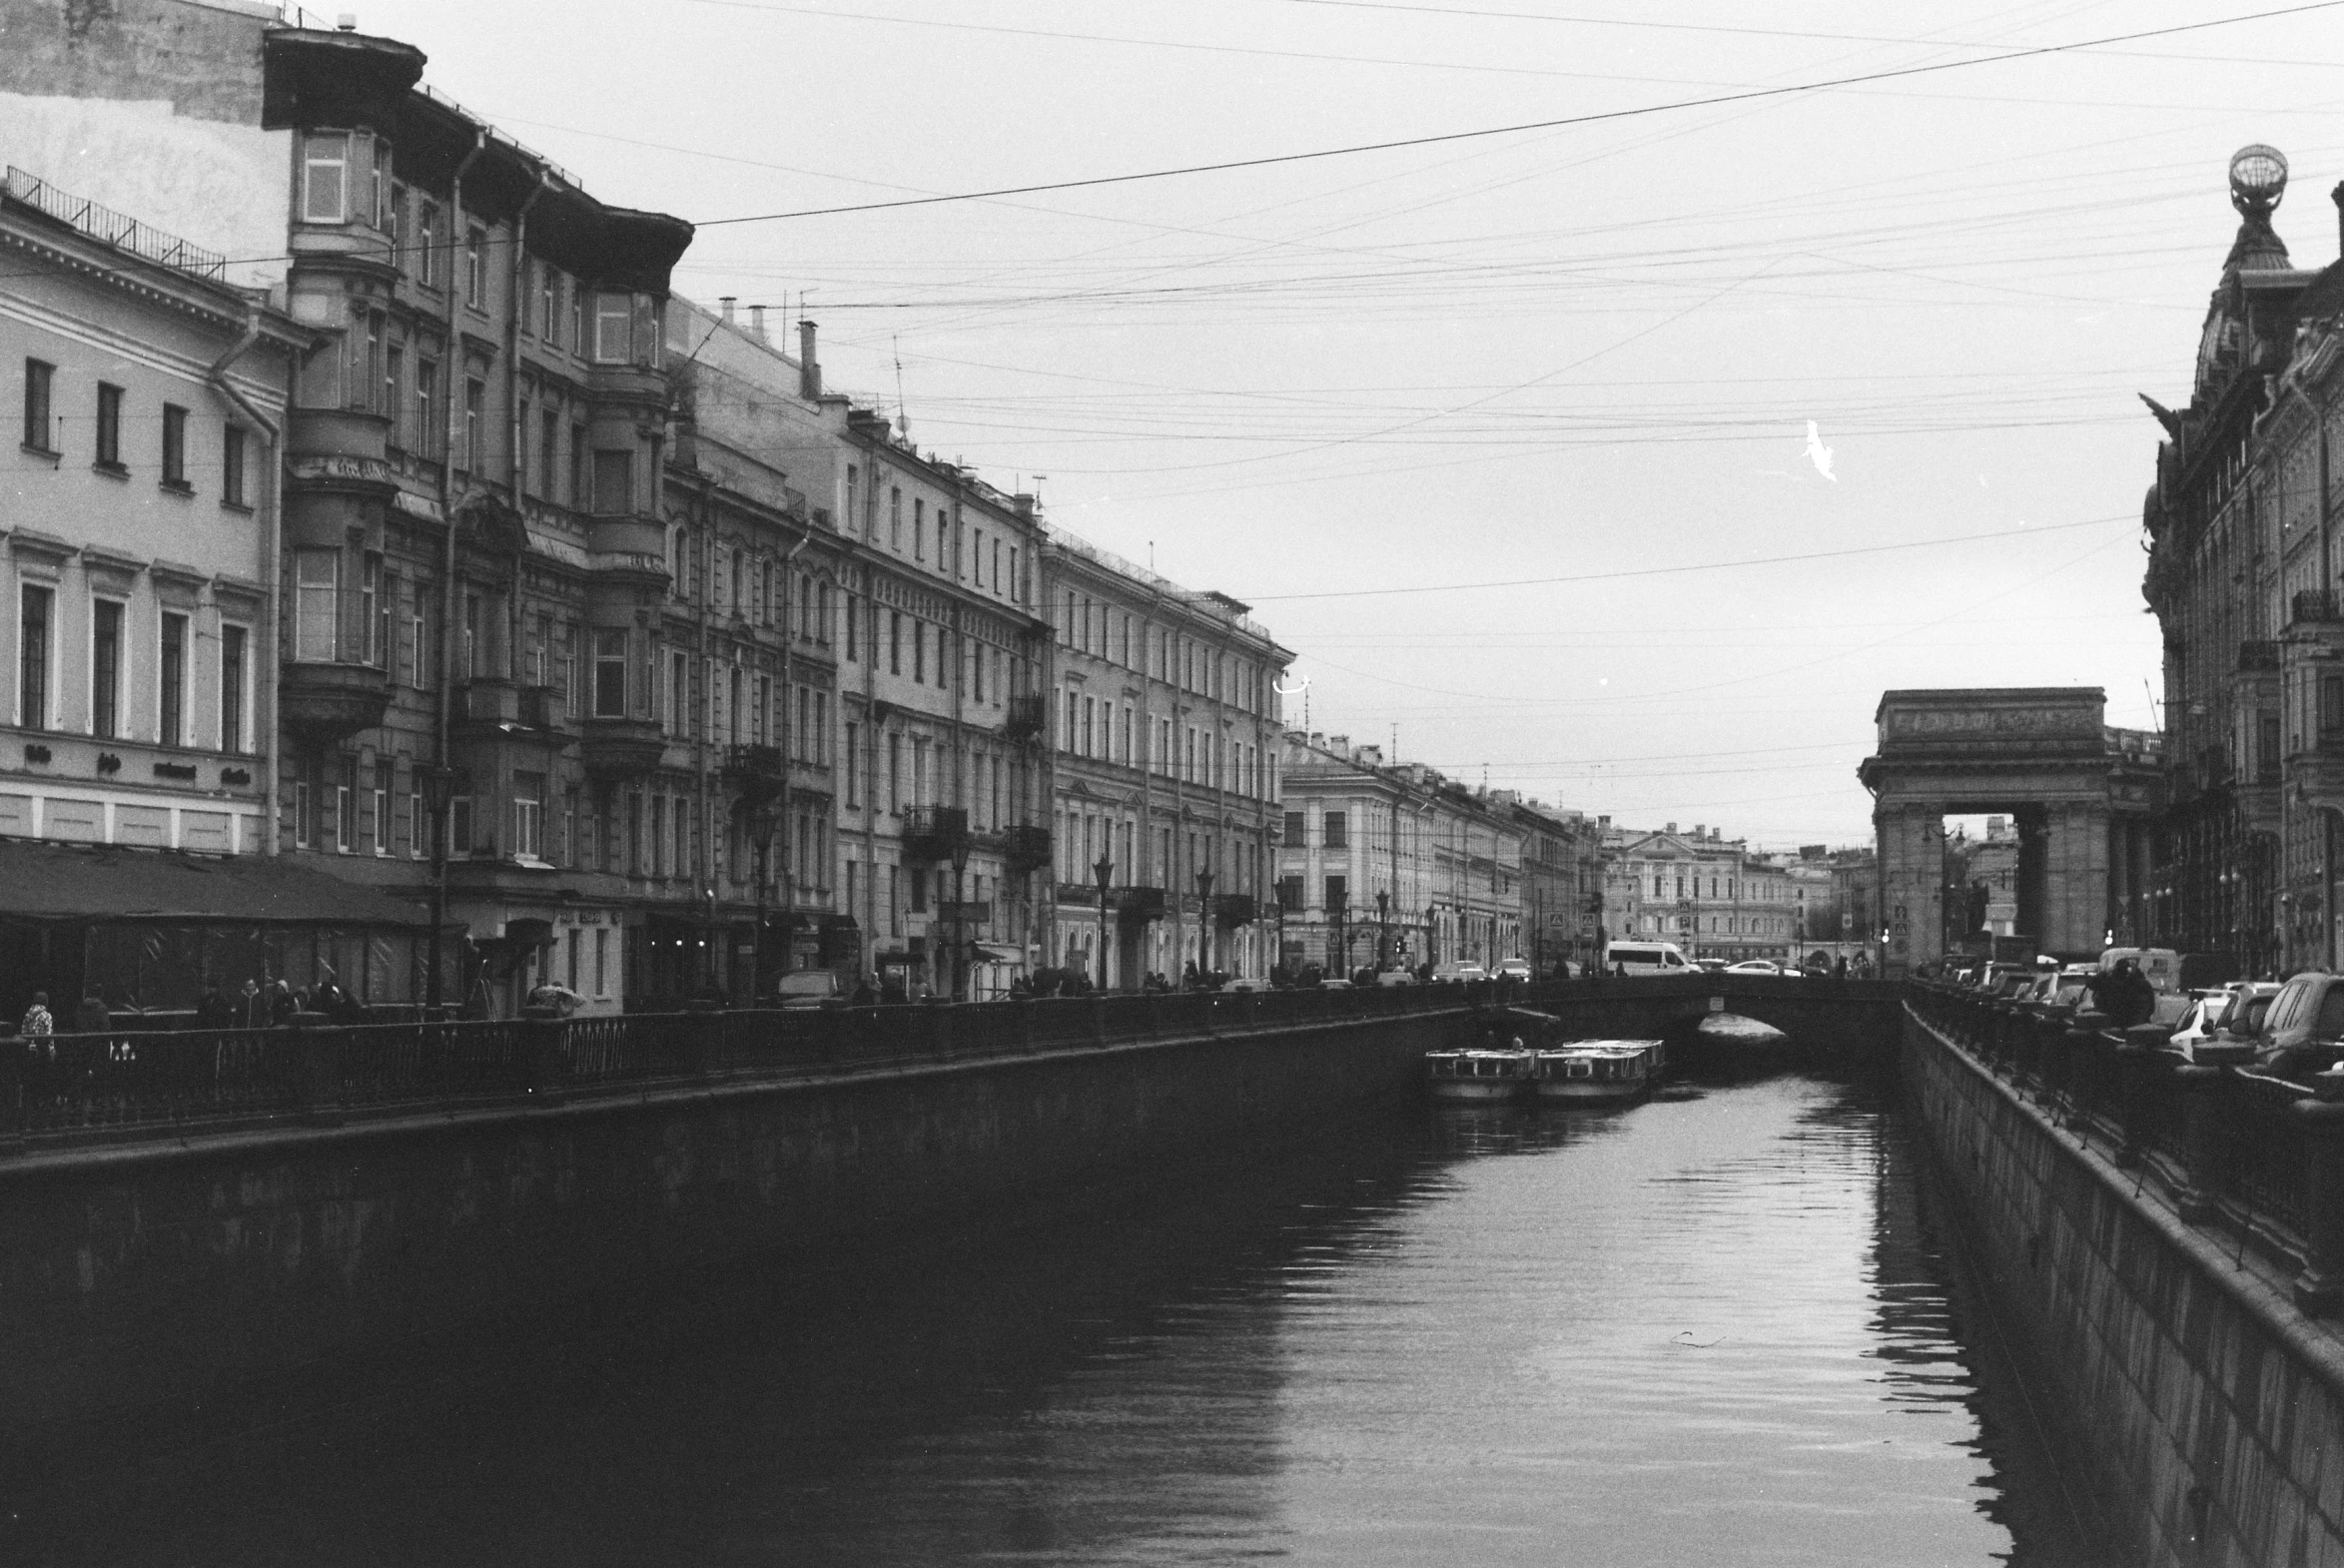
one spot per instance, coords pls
(2317, 604)
(1026, 717)
(1025, 849)
(1232, 910)
(753, 772)
(622, 748)
(1138, 904)
(934, 833)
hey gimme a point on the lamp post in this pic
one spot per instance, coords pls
(1383, 905)
(1104, 870)
(960, 920)
(1203, 925)
(437, 782)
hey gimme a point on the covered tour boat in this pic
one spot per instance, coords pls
(1596, 1071)
(1476, 1076)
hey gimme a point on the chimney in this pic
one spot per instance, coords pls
(757, 321)
(1340, 745)
(1318, 740)
(809, 368)
(347, 22)
(724, 304)
(1671, 827)
(1373, 756)
(1697, 830)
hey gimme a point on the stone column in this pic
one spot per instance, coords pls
(2076, 880)
(1912, 865)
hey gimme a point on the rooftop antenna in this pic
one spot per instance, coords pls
(1303, 691)
(1037, 478)
(903, 417)
(1395, 743)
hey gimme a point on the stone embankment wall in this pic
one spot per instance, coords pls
(2213, 1407)
(155, 1270)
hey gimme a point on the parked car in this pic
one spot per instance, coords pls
(1512, 969)
(1760, 965)
(2209, 1011)
(1445, 973)
(1646, 958)
(1710, 966)
(809, 988)
(1246, 983)
(1334, 983)
(2303, 1032)
(1395, 976)
(2063, 987)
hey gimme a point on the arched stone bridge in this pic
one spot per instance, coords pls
(1842, 1014)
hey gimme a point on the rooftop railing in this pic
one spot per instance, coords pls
(112, 228)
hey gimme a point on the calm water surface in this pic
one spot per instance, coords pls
(1719, 1326)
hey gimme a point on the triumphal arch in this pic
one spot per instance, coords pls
(2080, 793)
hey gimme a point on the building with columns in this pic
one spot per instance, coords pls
(1164, 728)
(1708, 894)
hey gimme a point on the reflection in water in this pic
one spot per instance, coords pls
(1713, 1326)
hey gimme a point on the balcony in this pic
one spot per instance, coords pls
(325, 703)
(621, 748)
(935, 833)
(2258, 657)
(1025, 849)
(2317, 606)
(1139, 905)
(753, 772)
(1026, 719)
(502, 705)
(1232, 910)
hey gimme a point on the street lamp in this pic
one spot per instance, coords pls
(1203, 925)
(437, 782)
(1104, 870)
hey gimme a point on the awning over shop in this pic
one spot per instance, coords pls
(994, 954)
(46, 881)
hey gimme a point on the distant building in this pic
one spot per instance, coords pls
(1382, 865)
(1708, 894)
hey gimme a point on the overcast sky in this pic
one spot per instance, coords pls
(1354, 390)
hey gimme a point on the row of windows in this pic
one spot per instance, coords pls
(1100, 729)
(44, 432)
(906, 771)
(1734, 924)
(1164, 654)
(1082, 836)
(112, 654)
(989, 564)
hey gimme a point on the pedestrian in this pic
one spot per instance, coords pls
(214, 1011)
(1839, 969)
(548, 994)
(2123, 994)
(283, 1004)
(38, 1025)
(252, 1007)
(90, 1018)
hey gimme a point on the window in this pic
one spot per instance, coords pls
(526, 480)
(577, 318)
(522, 311)
(854, 769)
(549, 446)
(426, 430)
(372, 614)
(1290, 894)
(109, 453)
(32, 658)
(232, 688)
(326, 178)
(548, 304)
(175, 447)
(528, 815)
(609, 674)
(345, 808)
(232, 466)
(895, 519)
(614, 319)
(475, 267)
(38, 377)
(105, 668)
(614, 481)
(317, 582)
(1338, 892)
(460, 826)
(920, 542)
(1295, 831)
(895, 643)
(1337, 830)
(427, 244)
(919, 650)
(380, 827)
(170, 730)
(418, 831)
(476, 396)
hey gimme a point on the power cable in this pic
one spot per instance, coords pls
(1595, 117)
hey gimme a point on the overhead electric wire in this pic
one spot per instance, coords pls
(1596, 117)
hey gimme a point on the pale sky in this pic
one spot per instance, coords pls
(1562, 353)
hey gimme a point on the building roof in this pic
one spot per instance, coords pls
(42, 879)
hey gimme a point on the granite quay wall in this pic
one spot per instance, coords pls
(186, 1214)
(2164, 1229)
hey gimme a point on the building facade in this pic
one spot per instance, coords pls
(1163, 729)
(1700, 890)
(1382, 866)
(2243, 579)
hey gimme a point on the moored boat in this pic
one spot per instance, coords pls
(1477, 1075)
(1596, 1071)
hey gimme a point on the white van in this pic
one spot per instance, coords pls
(1645, 957)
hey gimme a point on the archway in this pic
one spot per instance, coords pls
(2080, 796)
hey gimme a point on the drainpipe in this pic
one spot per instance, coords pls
(263, 657)
(788, 886)
(433, 993)
(519, 444)
(869, 934)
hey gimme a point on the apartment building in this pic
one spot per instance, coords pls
(1700, 890)
(1164, 751)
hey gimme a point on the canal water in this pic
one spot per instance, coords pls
(1724, 1325)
